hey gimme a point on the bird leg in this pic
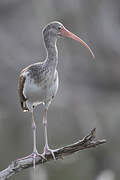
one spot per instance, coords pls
(46, 147)
(34, 134)
(35, 152)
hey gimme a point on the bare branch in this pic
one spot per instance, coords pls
(18, 165)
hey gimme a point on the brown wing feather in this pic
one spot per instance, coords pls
(20, 91)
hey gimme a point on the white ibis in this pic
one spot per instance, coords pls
(38, 83)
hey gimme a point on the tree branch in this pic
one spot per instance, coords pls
(18, 165)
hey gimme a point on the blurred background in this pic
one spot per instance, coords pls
(89, 91)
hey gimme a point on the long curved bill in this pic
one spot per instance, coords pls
(65, 32)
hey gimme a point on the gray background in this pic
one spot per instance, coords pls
(89, 91)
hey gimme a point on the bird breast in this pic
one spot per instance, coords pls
(43, 91)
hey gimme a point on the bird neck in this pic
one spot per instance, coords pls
(52, 52)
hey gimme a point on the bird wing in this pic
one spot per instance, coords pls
(38, 72)
(23, 99)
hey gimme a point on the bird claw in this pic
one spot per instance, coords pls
(48, 150)
(43, 157)
(36, 154)
(33, 156)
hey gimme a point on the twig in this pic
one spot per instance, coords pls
(16, 166)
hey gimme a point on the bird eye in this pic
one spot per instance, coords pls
(59, 27)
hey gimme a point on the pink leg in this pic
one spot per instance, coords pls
(35, 152)
(46, 147)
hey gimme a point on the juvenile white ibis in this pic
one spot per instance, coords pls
(38, 83)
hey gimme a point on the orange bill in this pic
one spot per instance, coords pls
(65, 32)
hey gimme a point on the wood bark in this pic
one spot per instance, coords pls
(18, 165)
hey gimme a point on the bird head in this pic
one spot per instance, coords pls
(56, 29)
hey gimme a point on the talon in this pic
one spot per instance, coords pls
(51, 151)
(43, 157)
(33, 156)
(53, 154)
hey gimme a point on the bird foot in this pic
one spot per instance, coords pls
(48, 150)
(34, 155)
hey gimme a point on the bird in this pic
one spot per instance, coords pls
(38, 82)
